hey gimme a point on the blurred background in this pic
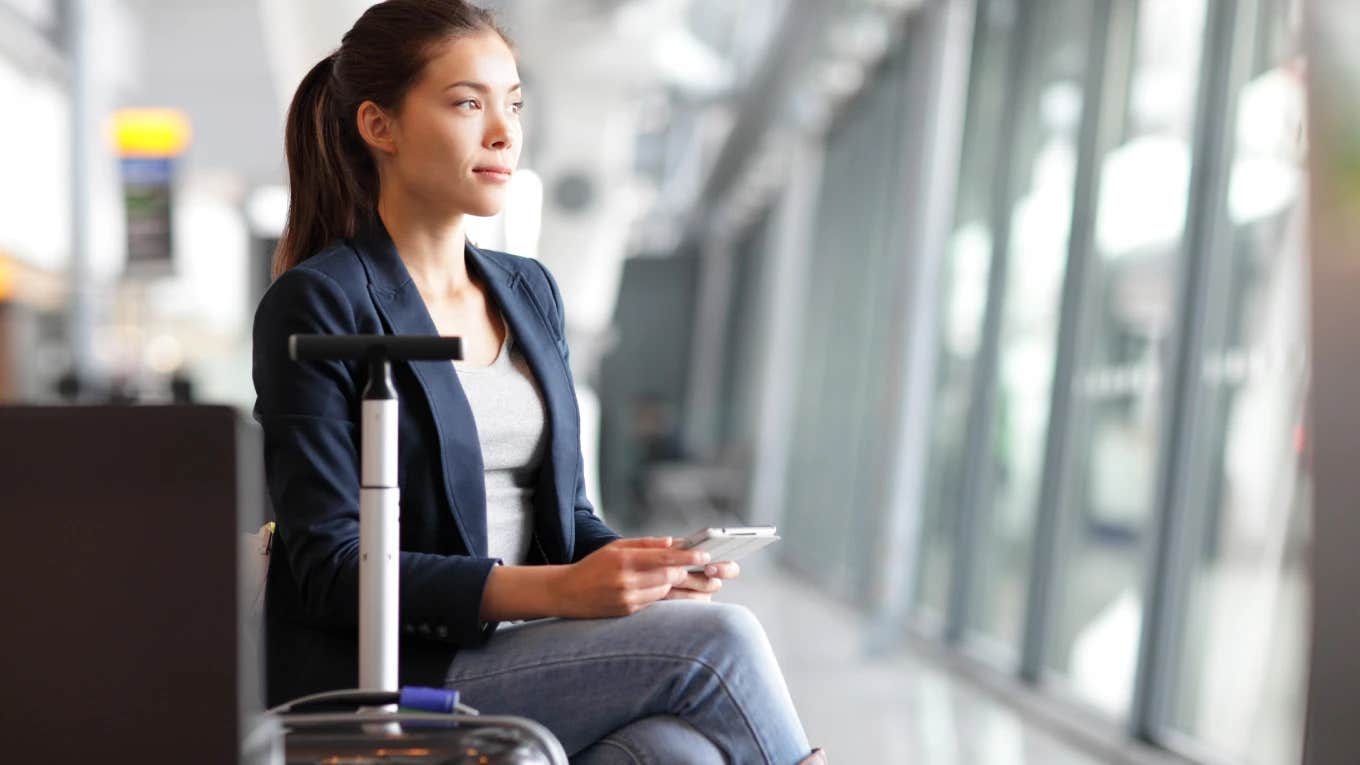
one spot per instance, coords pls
(999, 309)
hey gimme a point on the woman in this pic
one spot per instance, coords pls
(412, 124)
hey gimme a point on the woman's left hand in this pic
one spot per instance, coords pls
(702, 585)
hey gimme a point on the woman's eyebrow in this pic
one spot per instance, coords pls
(480, 87)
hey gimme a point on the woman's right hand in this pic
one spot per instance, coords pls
(623, 577)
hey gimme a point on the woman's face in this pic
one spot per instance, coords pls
(456, 138)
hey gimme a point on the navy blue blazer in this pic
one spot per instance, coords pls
(309, 412)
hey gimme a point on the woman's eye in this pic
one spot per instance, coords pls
(472, 101)
(519, 105)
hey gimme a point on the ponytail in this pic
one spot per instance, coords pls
(329, 170)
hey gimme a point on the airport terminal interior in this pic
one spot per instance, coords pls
(1025, 322)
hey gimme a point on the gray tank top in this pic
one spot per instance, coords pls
(511, 419)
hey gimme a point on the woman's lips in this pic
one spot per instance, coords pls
(493, 173)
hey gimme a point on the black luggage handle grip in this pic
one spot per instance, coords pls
(366, 347)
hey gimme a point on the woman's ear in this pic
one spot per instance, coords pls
(376, 127)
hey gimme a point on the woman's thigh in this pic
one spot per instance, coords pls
(707, 663)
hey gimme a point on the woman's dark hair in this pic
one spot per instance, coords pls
(333, 181)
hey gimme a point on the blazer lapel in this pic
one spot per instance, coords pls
(535, 337)
(404, 312)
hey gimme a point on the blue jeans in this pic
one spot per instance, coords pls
(679, 681)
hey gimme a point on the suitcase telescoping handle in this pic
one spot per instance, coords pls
(412, 698)
(379, 495)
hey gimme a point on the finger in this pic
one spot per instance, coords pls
(655, 577)
(678, 575)
(728, 569)
(644, 543)
(643, 559)
(700, 583)
(681, 594)
(647, 595)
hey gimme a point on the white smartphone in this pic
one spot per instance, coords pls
(724, 543)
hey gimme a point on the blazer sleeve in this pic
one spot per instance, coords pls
(591, 532)
(308, 412)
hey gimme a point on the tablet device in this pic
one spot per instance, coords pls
(724, 543)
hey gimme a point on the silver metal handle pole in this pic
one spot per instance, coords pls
(379, 590)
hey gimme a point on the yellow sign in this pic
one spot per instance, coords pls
(7, 277)
(151, 132)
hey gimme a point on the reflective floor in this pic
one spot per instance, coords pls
(898, 709)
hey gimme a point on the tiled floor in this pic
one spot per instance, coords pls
(898, 709)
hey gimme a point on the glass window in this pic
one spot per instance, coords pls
(963, 288)
(874, 393)
(1044, 163)
(807, 470)
(1240, 674)
(1118, 390)
(843, 256)
(741, 357)
(819, 464)
(836, 470)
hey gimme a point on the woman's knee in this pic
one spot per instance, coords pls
(731, 623)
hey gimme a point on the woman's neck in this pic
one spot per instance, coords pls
(431, 246)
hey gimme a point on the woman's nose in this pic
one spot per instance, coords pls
(499, 133)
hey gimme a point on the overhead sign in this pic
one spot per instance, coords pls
(151, 132)
(148, 140)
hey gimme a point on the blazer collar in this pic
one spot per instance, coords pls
(405, 313)
(387, 272)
